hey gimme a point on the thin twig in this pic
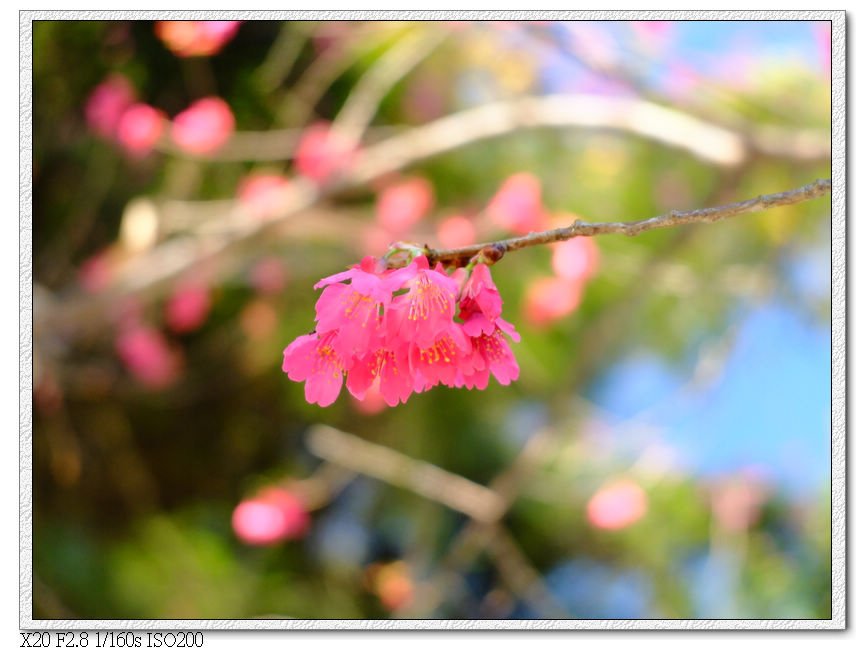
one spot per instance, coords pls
(461, 256)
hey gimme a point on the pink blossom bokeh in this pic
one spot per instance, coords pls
(274, 515)
(203, 127)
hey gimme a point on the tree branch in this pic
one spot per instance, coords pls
(461, 256)
(714, 144)
(364, 457)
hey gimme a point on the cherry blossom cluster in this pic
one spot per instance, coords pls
(403, 331)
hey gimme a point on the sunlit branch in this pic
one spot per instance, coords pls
(461, 256)
(670, 127)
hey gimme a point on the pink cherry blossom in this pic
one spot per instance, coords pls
(203, 127)
(456, 231)
(442, 360)
(491, 353)
(140, 128)
(107, 103)
(517, 206)
(355, 310)
(312, 359)
(261, 194)
(146, 354)
(617, 505)
(401, 205)
(576, 259)
(322, 153)
(188, 307)
(196, 37)
(427, 310)
(387, 366)
(272, 516)
(392, 332)
(480, 295)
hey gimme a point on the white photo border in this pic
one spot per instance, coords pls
(838, 318)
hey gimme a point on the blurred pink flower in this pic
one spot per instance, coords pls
(273, 515)
(617, 505)
(403, 204)
(576, 259)
(373, 401)
(203, 127)
(456, 231)
(424, 100)
(594, 41)
(95, 272)
(188, 307)
(681, 82)
(258, 320)
(106, 104)
(550, 299)
(823, 35)
(147, 355)
(738, 500)
(654, 35)
(269, 275)
(321, 153)
(261, 194)
(140, 128)
(330, 35)
(374, 239)
(196, 37)
(517, 206)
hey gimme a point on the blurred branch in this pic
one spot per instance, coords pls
(478, 534)
(392, 467)
(300, 101)
(283, 53)
(362, 104)
(149, 272)
(714, 144)
(484, 505)
(668, 126)
(322, 486)
(675, 218)
(520, 576)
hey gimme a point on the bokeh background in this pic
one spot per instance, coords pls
(665, 451)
